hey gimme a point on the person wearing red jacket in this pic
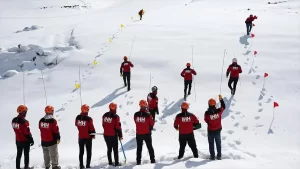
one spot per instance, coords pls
(187, 74)
(112, 132)
(213, 118)
(234, 69)
(248, 22)
(144, 124)
(85, 126)
(186, 123)
(152, 100)
(125, 71)
(23, 136)
(141, 13)
(50, 138)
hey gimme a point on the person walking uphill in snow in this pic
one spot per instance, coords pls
(144, 124)
(141, 13)
(186, 123)
(85, 126)
(125, 71)
(50, 138)
(213, 118)
(234, 69)
(112, 132)
(23, 136)
(188, 73)
(152, 100)
(248, 22)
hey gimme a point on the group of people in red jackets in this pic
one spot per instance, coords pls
(185, 122)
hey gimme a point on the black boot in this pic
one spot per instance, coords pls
(153, 161)
(212, 158)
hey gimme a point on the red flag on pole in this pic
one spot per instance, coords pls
(255, 52)
(276, 104)
(252, 35)
(266, 75)
(253, 24)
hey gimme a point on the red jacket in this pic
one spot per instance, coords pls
(213, 118)
(152, 100)
(143, 121)
(85, 126)
(185, 121)
(49, 131)
(21, 128)
(111, 124)
(234, 70)
(188, 73)
(125, 67)
(250, 19)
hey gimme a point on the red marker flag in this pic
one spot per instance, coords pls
(253, 24)
(252, 35)
(266, 75)
(276, 104)
(255, 52)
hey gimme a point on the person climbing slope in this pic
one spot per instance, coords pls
(234, 69)
(125, 71)
(249, 24)
(152, 100)
(141, 13)
(187, 74)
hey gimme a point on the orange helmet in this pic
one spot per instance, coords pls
(22, 108)
(185, 105)
(212, 102)
(49, 109)
(112, 106)
(125, 58)
(85, 108)
(188, 64)
(143, 103)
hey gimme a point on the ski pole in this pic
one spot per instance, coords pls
(131, 47)
(80, 87)
(44, 87)
(225, 52)
(123, 151)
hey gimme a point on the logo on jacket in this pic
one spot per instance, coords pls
(81, 123)
(107, 120)
(235, 68)
(214, 116)
(186, 119)
(141, 119)
(44, 125)
(15, 125)
(188, 71)
(125, 64)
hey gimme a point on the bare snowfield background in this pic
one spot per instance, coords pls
(252, 136)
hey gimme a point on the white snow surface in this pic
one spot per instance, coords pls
(252, 136)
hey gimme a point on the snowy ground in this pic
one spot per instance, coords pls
(252, 136)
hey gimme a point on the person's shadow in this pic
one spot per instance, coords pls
(109, 98)
(244, 40)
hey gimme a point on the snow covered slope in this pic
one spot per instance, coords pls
(252, 136)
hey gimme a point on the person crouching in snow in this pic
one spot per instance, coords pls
(234, 69)
(50, 137)
(248, 22)
(141, 13)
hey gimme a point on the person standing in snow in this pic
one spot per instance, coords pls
(144, 124)
(213, 118)
(50, 138)
(112, 132)
(186, 123)
(187, 74)
(125, 71)
(141, 13)
(85, 126)
(152, 100)
(23, 136)
(234, 69)
(248, 22)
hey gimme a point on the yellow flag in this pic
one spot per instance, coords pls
(95, 62)
(77, 85)
(122, 26)
(109, 40)
(131, 18)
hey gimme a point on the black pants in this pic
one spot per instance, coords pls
(112, 144)
(22, 146)
(233, 80)
(139, 141)
(190, 139)
(141, 17)
(126, 77)
(187, 83)
(153, 112)
(249, 27)
(212, 138)
(88, 145)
